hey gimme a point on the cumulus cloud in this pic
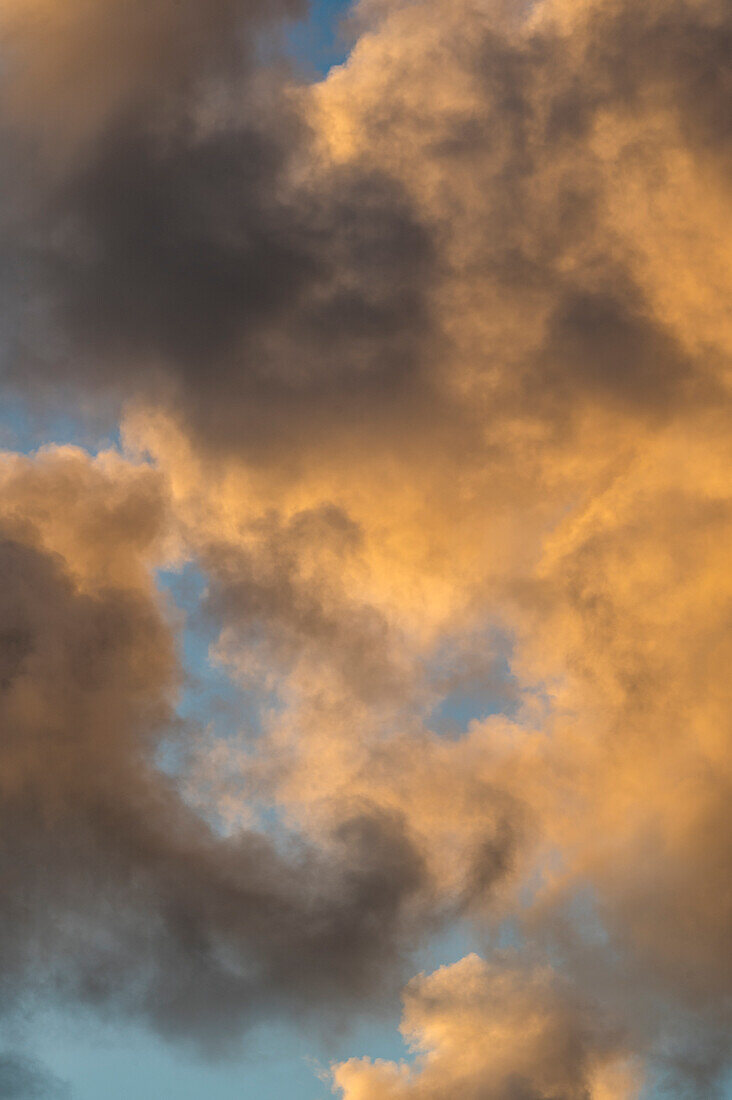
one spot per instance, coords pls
(182, 239)
(426, 366)
(495, 1032)
(119, 895)
(365, 249)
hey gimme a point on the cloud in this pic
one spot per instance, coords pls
(123, 58)
(173, 245)
(24, 1079)
(428, 357)
(258, 252)
(491, 1032)
(119, 895)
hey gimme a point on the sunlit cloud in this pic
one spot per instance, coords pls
(423, 366)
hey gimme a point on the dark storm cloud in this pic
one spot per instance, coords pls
(116, 894)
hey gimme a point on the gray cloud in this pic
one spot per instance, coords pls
(171, 250)
(181, 251)
(22, 1078)
(119, 896)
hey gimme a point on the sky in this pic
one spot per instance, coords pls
(365, 573)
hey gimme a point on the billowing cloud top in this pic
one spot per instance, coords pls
(424, 367)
